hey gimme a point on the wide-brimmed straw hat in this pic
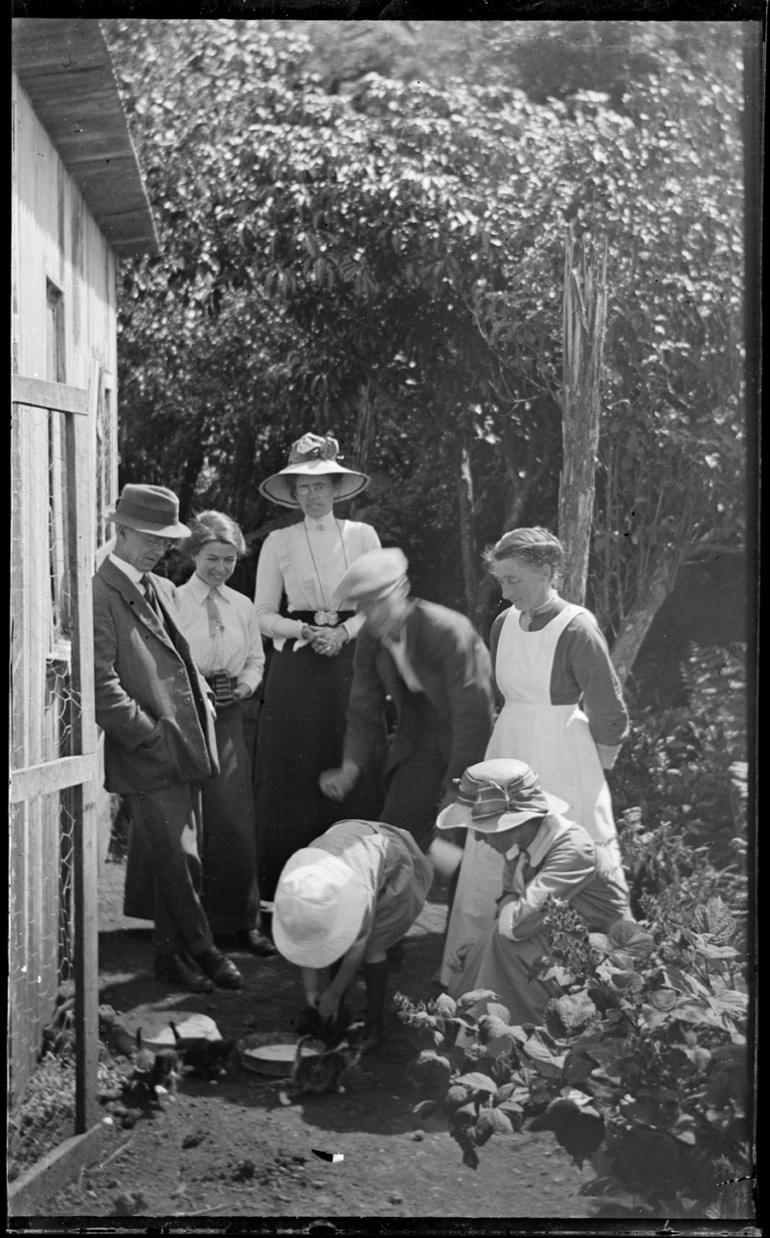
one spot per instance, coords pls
(149, 509)
(498, 795)
(318, 909)
(313, 456)
(372, 576)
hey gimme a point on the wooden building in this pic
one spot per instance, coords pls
(79, 205)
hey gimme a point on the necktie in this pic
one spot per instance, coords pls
(216, 628)
(149, 592)
(152, 601)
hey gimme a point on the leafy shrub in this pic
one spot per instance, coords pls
(640, 1066)
(679, 788)
(677, 764)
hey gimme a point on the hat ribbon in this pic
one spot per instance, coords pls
(311, 447)
(489, 799)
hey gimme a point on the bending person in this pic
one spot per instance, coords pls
(542, 854)
(341, 904)
(434, 666)
(562, 712)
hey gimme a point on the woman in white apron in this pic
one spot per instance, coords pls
(549, 658)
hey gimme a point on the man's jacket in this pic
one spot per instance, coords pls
(452, 664)
(151, 701)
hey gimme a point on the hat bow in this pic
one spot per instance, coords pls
(313, 447)
(490, 799)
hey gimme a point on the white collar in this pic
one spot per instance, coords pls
(130, 571)
(200, 590)
(321, 526)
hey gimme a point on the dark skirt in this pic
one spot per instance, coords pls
(227, 845)
(300, 734)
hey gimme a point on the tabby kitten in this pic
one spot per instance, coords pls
(322, 1072)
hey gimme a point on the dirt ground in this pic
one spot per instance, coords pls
(232, 1150)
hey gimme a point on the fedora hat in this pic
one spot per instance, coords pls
(312, 456)
(498, 795)
(372, 576)
(149, 509)
(318, 909)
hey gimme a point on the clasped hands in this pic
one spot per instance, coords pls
(326, 641)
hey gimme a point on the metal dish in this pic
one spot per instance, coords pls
(251, 1059)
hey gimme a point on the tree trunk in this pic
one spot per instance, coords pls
(467, 539)
(584, 324)
(637, 622)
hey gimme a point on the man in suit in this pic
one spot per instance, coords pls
(434, 666)
(157, 716)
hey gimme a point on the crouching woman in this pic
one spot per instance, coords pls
(544, 854)
(340, 905)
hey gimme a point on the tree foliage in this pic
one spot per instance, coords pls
(366, 234)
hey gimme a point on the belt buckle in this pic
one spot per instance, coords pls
(329, 618)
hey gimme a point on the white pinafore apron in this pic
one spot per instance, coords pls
(556, 741)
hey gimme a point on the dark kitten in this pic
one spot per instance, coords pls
(208, 1058)
(154, 1071)
(330, 1031)
(322, 1072)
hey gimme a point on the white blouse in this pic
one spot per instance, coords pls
(307, 561)
(240, 652)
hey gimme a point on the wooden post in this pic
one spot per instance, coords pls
(584, 327)
(80, 504)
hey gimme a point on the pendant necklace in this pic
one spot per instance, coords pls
(328, 618)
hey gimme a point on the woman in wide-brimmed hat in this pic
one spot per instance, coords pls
(543, 854)
(302, 719)
(343, 903)
(562, 709)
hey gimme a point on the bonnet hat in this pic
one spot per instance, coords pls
(148, 509)
(318, 908)
(498, 795)
(313, 456)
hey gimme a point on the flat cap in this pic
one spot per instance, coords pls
(372, 576)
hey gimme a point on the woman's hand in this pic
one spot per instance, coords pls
(241, 691)
(329, 641)
(328, 1005)
(456, 960)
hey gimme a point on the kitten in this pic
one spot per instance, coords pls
(322, 1072)
(330, 1031)
(157, 1072)
(208, 1058)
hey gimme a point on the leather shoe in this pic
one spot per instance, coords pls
(180, 970)
(219, 968)
(257, 943)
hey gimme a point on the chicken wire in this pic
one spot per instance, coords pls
(45, 713)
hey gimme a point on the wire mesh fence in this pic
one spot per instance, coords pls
(46, 730)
